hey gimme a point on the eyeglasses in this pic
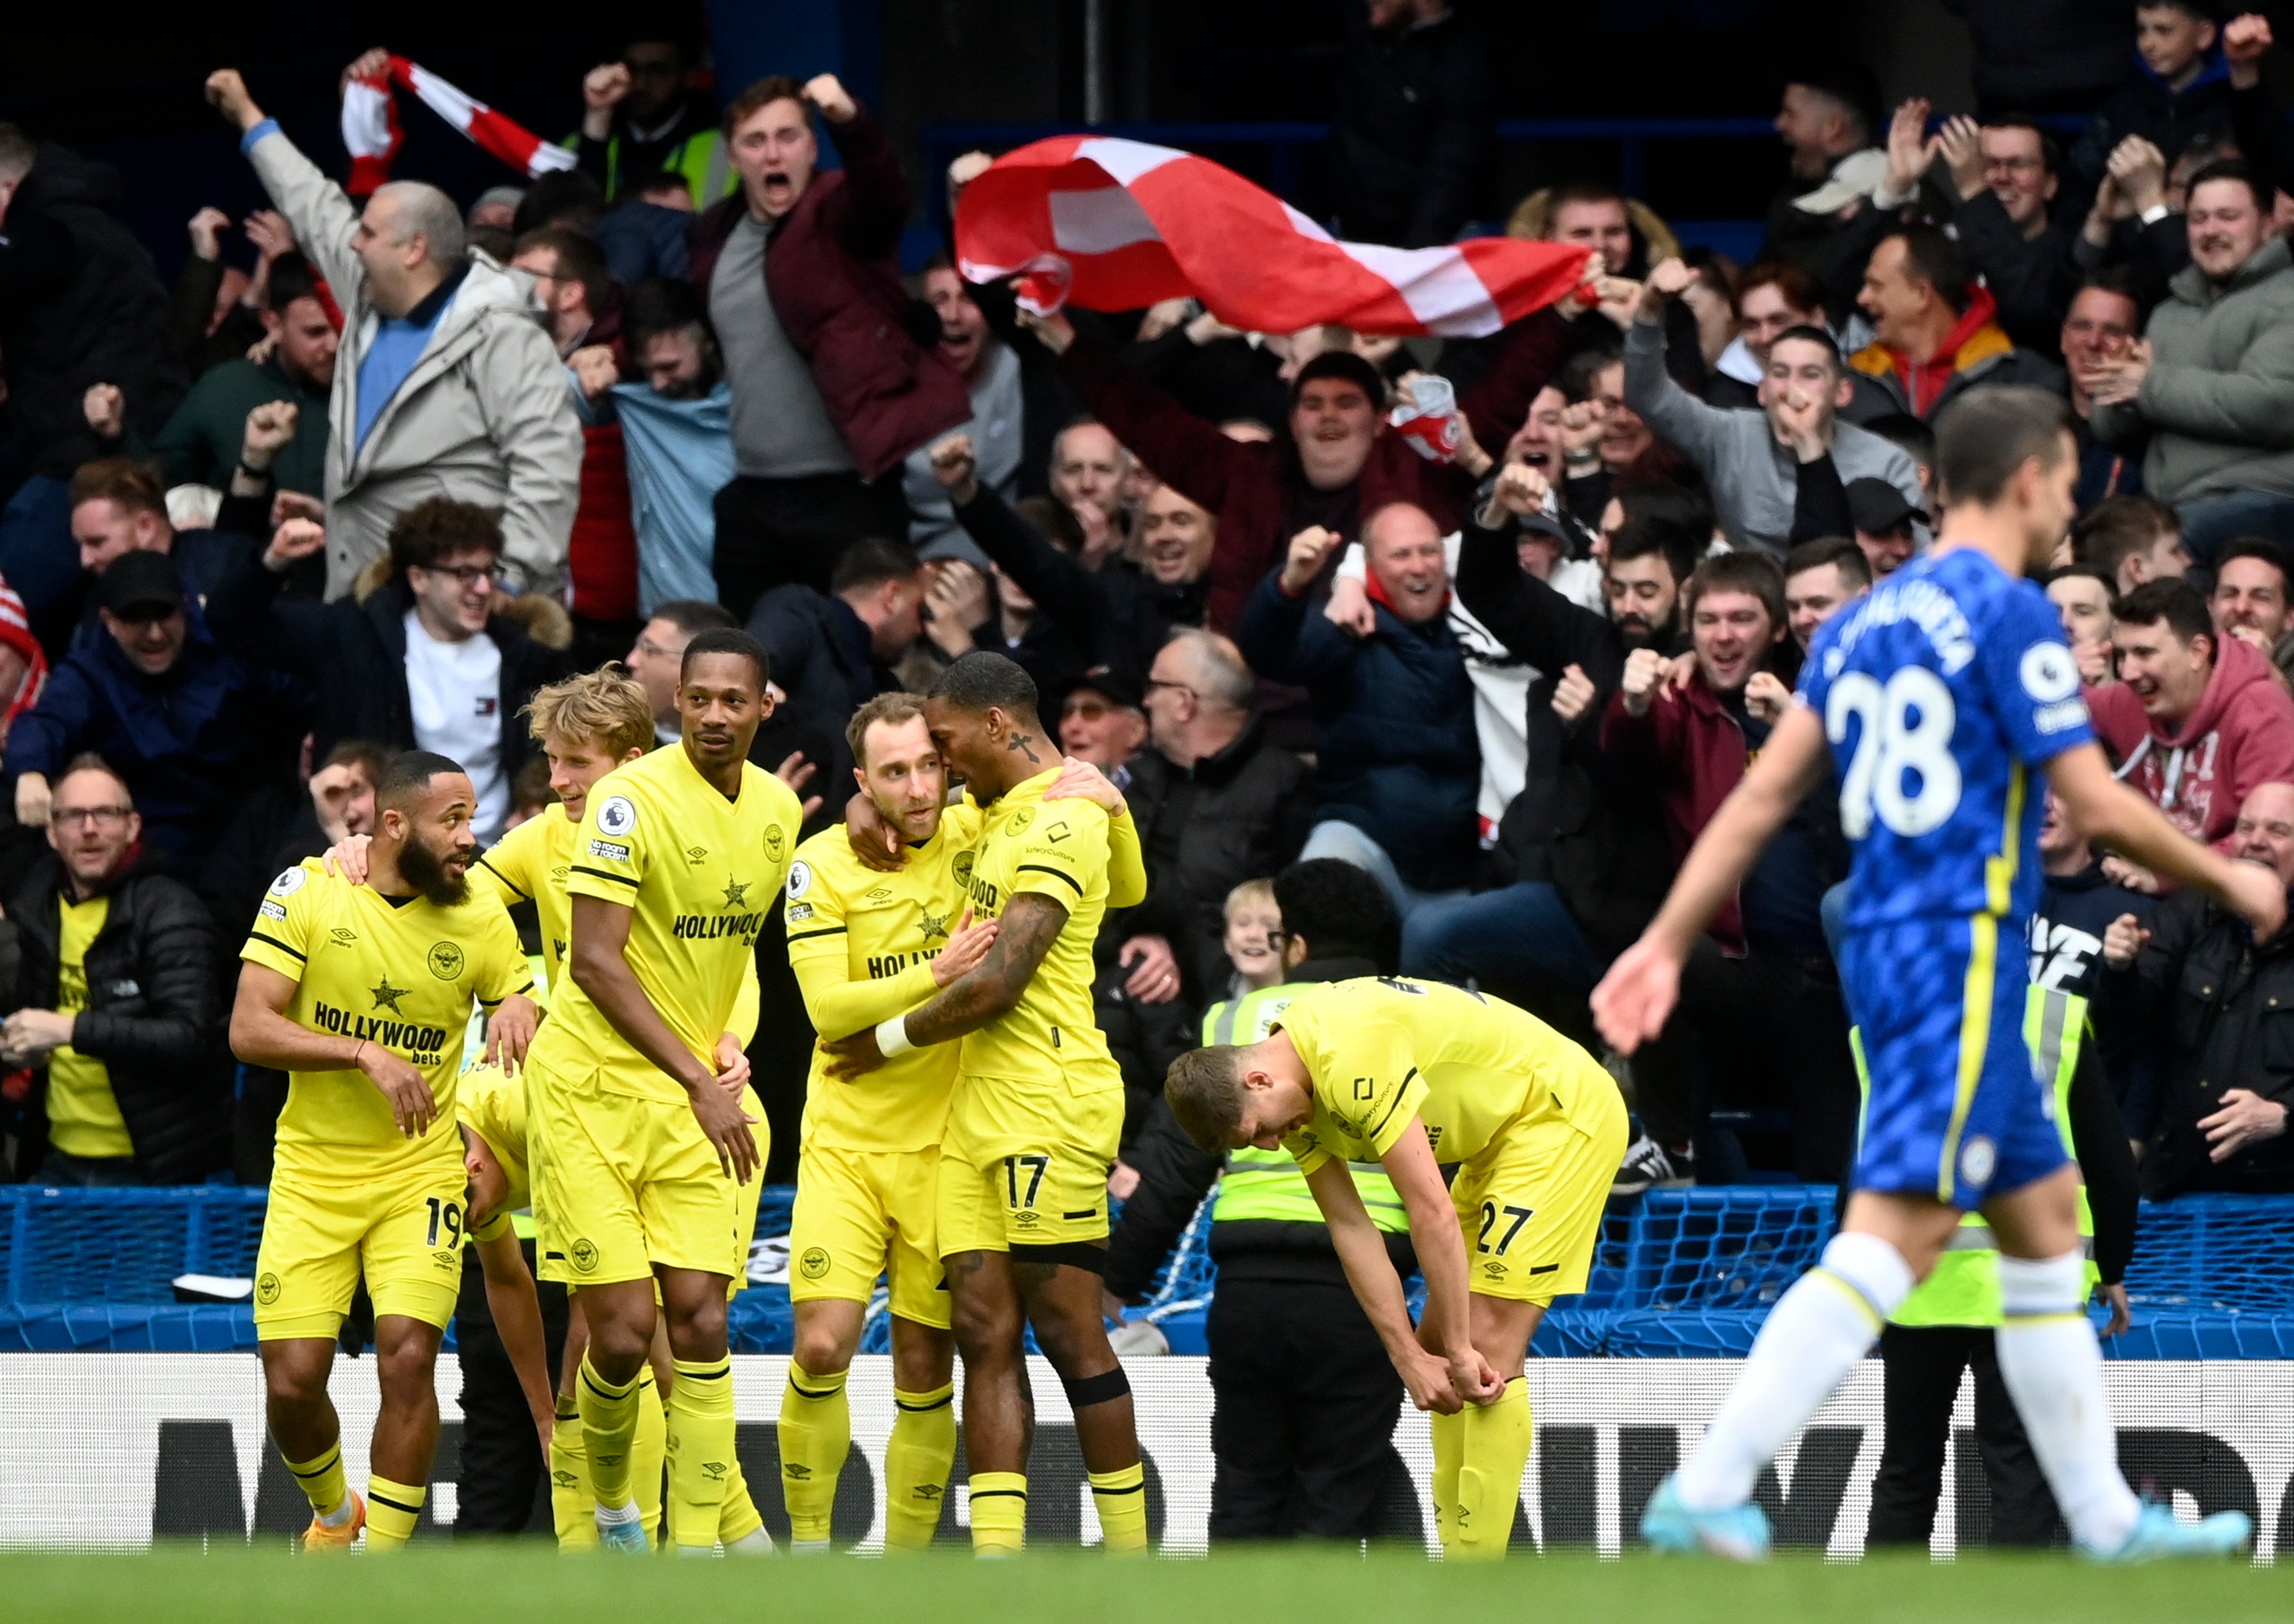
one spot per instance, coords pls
(1155, 682)
(464, 575)
(102, 818)
(2019, 164)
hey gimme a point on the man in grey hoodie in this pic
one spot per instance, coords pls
(1778, 475)
(445, 386)
(2211, 387)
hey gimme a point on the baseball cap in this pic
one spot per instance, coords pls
(1879, 508)
(1118, 687)
(1857, 175)
(139, 580)
(1345, 364)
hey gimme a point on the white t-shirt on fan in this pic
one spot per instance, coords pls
(455, 689)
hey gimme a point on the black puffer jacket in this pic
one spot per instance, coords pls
(1411, 128)
(1240, 815)
(822, 661)
(154, 1015)
(80, 302)
(2221, 1009)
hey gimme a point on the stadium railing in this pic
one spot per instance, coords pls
(1687, 1273)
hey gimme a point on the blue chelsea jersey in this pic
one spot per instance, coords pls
(1942, 692)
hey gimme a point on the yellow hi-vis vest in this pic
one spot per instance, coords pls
(1266, 1184)
(1964, 1289)
(702, 159)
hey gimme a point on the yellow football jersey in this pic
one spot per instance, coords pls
(700, 873)
(1058, 849)
(1383, 1050)
(862, 944)
(492, 1104)
(531, 863)
(399, 971)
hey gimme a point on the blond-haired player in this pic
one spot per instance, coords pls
(587, 725)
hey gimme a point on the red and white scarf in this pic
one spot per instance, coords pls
(371, 125)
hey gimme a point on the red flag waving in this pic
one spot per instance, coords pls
(1117, 225)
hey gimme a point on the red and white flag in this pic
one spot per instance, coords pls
(1117, 225)
(371, 125)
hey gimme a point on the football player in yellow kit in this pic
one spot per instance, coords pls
(867, 944)
(1415, 1075)
(649, 1154)
(587, 725)
(362, 994)
(1020, 1209)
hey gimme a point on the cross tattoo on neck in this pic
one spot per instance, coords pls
(1020, 742)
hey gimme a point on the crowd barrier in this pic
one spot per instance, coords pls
(113, 1451)
(1680, 1273)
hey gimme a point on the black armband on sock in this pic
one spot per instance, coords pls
(1074, 1254)
(1101, 1389)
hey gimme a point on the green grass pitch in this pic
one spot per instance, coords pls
(494, 1585)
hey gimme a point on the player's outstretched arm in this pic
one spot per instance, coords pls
(601, 930)
(516, 1307)
(1636, 998)
(1361, 1250)
(1031, 924)
(2112, 814)
(1445, 1330)
(262, 1033)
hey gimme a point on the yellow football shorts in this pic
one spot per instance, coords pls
(1029, 1165)
(633, 1183)
(402, 1231)
(859, 1213)
(1531, 1203)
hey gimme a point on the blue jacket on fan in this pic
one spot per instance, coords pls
(1395, 751)
(192, 744)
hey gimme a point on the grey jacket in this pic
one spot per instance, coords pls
(2218, 400)
(486, 415)
(1753, 479)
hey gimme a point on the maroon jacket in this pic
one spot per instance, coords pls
(2200, 772)
(1252, 487)
(1693, 754)
(836, 287)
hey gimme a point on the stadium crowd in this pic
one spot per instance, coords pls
(1372, 711)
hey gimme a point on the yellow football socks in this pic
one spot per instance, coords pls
(740, 1529)
(571, 1509)
(322, 1482)
(1121, 1499)
(391, 1511)
(816, 1432)
(999, 1513)
(701, 1433)
(1449, 1453)
(609, 1424)
(1496, 1439)
(648, 1452)
(916, 1462)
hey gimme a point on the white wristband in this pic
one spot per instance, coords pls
(892, 1037)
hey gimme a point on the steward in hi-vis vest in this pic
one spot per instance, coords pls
(1944, 1328)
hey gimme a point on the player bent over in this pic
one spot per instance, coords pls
(649, 1152)
(868, 945)
(1020, 1207)
(362, 994)
(1936, 698)
(1412, 1075)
